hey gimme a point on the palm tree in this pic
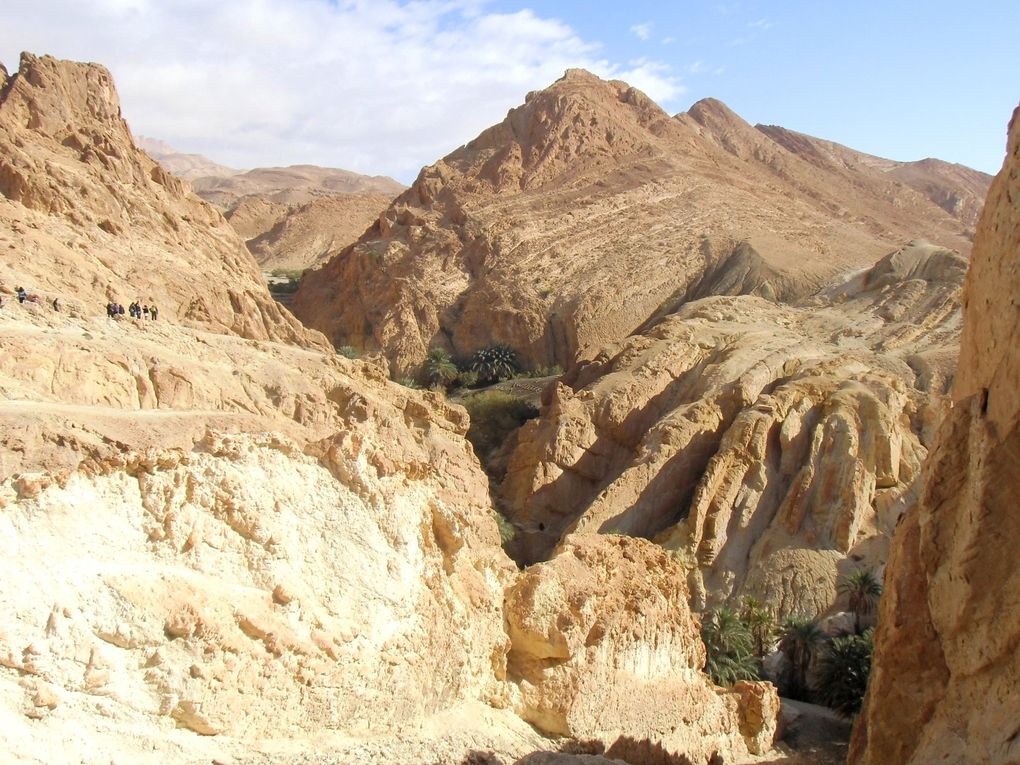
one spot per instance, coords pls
(863, 591)
(439, 367)
(729, 645)
(843, 671)
(762, 623)
(800, 639)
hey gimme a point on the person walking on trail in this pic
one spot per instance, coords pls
(145, 311)
(153, 312)
(22, 295)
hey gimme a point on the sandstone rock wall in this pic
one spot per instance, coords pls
(297, 548)
(945, 673)
(604, 648)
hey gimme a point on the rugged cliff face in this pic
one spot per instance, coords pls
(946, 669)
(589, 210)
(87, 217)
(771, 444)
(604, 648)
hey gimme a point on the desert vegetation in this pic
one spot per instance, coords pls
(812, 665)
(494, 416)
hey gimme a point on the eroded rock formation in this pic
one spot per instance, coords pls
(772, 443)
(221, 546)
(589, 210)
(604, 648)
(945, 674)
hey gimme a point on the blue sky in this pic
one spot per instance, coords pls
(904, 80)
(386, 86)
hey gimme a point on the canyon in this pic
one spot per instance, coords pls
(223, 541)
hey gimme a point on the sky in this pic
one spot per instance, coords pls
(385, 87)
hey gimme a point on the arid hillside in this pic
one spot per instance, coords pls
(291, 218)
(304, 235)
(88, 218)
(590, 210)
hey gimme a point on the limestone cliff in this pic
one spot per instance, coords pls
(770, 443)
(946, 669)
(87, 217)
(589, 210)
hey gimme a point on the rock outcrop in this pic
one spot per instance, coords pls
(87, 217)
(770, 443)
(945, 669)
(589, 210)
(304, 235)
(604, 648)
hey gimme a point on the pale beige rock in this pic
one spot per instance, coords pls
(770, 444)
(946, 669)
(604, 648)
(589, 210)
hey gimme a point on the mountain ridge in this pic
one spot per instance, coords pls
(569, 223)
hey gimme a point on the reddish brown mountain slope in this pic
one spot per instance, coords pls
(587, 210)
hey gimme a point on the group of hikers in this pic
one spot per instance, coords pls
(113, 310)
(135, 311)
(23, 297)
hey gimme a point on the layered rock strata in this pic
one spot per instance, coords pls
(771, 444)
(589, 210)
(946, 669)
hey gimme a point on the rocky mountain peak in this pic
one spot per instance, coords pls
(54, 97)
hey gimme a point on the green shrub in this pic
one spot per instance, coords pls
(495, 363)
(408, 382)
(730, 648)
(554, 371)
(283, 288)
(348, 351)
(494, 416)
(293, 274)
(843, 670)
(507, 531)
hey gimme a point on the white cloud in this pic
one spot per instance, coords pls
(376, 87)
(642, 31)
